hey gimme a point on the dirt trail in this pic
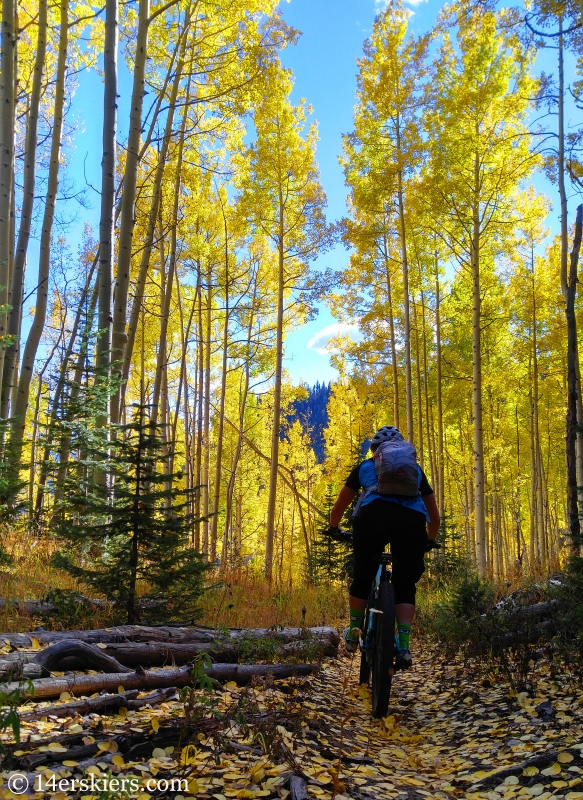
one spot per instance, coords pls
(447, 736)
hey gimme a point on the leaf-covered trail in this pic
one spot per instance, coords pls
(447, 735)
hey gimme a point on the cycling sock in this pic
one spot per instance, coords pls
(356, 620)
(404, 631)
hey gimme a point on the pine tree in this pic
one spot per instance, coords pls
(331, 560)
(134, 533)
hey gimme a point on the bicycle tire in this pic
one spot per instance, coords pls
(384, 651)
(364, 674)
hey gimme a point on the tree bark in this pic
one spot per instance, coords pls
(275, 431)
(571, 433)
(36, 331)
(241, 674)
(152, 222)
(127, 221)
(438, 389)
(220, 432)
(394, 365)
(10, 375)
(479, 507)
(7, 108)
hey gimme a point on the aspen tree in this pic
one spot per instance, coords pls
(108, 168)
(36, 331)
(282, 198)
(10, 376)
(7, 107)
(480, 154)
(387, 137)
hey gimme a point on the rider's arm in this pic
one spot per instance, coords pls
(434, 518)
(344, 499)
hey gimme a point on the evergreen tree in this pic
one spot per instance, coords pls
(331, 560)
(134, 532)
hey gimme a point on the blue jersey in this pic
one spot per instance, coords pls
(366, 476)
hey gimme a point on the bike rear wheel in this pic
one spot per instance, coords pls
(384, 650)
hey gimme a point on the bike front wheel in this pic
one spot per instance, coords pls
(382, 666)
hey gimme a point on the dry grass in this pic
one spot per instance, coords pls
(245, 600)
(241, 600)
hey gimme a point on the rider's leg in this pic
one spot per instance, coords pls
(357, 606)
(368, 545)
(404, 612)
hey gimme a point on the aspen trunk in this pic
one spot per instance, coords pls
(420, 447)
(480, 522)
(34, 336)
(127, 221)
(426, 393)
(408, 376)
(162, 360)
(108, 167)
(219, 451)
(571, 432)
(243, 394)
(10, 376)
(206, 441)
(438, 389)
(7, 108)
(199, 417)
(151, 227)
(273, 472)
(395, 367)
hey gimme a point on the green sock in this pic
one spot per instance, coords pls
(404, 631)
(356, 620)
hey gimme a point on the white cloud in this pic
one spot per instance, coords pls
(319, 341)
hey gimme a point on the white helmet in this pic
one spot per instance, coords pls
(386, 434)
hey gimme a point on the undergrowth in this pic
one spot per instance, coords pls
(507, 629)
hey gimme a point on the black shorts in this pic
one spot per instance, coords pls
(378, 524)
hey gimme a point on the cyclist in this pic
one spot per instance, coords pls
(409, 524)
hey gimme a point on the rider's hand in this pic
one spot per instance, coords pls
(432, 545)
(336, 533)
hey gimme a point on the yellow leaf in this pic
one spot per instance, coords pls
(55, 747)
(157, 752)
(68, 763)
(76, 728)
(101, 645)
(188, 755)
(93, 770)
(528, 772)
(554, 769)
(123, 712)
(559, 784)
(231, 685)
(118, 761)
(245, 794)
(193, 787)
(155, 724)
(34, 643)
(107, 747)
(64, 697)
(120, 689)
(565, 758)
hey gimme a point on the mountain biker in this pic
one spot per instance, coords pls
(409, 524)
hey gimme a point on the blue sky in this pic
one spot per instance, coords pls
(324, 65)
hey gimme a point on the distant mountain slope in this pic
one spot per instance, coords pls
(312, 414)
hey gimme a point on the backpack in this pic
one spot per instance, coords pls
(396, 467)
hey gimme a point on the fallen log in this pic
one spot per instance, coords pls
(175, 635)
(298, 788)
(92, 657)
(241, 674)
(109, 703)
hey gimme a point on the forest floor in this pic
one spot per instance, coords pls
(448, 734)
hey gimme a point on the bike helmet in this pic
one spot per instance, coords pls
(386, 434)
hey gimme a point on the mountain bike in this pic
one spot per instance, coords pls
(379, 643)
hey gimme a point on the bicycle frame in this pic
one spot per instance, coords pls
(368, 637)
